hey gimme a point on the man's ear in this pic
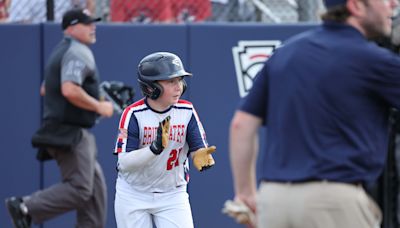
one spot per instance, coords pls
(69, 30)
(356, 7)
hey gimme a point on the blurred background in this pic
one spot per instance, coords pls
(222, 42)
(166, 11)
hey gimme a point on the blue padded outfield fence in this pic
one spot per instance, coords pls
(206, 50)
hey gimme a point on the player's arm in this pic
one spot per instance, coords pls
(137, 158)
(243, 146)
(78, 97)
(199, 149)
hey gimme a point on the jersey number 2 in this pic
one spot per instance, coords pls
(173, 160)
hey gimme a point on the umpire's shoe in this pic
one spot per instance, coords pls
(18, 212)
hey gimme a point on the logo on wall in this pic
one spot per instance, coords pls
(249, 57)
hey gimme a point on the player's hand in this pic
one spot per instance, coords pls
(202, 158)
(105, 109)
(161, 142)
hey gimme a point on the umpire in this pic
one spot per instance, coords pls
(325, 98)
(71, 106)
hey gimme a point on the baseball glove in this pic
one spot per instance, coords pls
(119, 94)
(161, 142)
(202, 158)
(240, 212)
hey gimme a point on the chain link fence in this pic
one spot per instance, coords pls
(166, 11)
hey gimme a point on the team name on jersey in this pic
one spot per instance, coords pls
(176, 133)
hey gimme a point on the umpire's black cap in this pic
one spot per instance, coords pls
(77, 15)
(331, 3)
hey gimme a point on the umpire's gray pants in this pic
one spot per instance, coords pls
(82, 188)
(315, 205)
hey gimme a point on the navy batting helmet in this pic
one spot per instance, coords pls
(159, 66)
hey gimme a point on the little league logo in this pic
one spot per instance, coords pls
(249, 58)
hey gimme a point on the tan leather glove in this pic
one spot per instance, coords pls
(202, 158)
(161, 142)
(165, 131)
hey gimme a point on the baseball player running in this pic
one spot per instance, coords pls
(156, 136)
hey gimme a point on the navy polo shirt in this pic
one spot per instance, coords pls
(324, 98)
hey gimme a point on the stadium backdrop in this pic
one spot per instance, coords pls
(206, 50)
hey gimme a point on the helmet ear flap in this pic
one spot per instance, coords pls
(157, 91)
(150, 89)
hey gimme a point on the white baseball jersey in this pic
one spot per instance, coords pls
(138, 128)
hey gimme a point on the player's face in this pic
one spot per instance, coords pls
(173, 89)
(377, 20)
(85, 33)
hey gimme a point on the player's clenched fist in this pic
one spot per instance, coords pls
(202, 158)
(161, 142)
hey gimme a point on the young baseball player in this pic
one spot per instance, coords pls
(157, 134)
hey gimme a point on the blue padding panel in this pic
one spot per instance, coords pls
(214, 92)
(206, 51)
(20, 63)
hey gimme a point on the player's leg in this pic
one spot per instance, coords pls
(131, 208)
(174, 211)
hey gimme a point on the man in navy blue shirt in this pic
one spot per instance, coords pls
(324, 98)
